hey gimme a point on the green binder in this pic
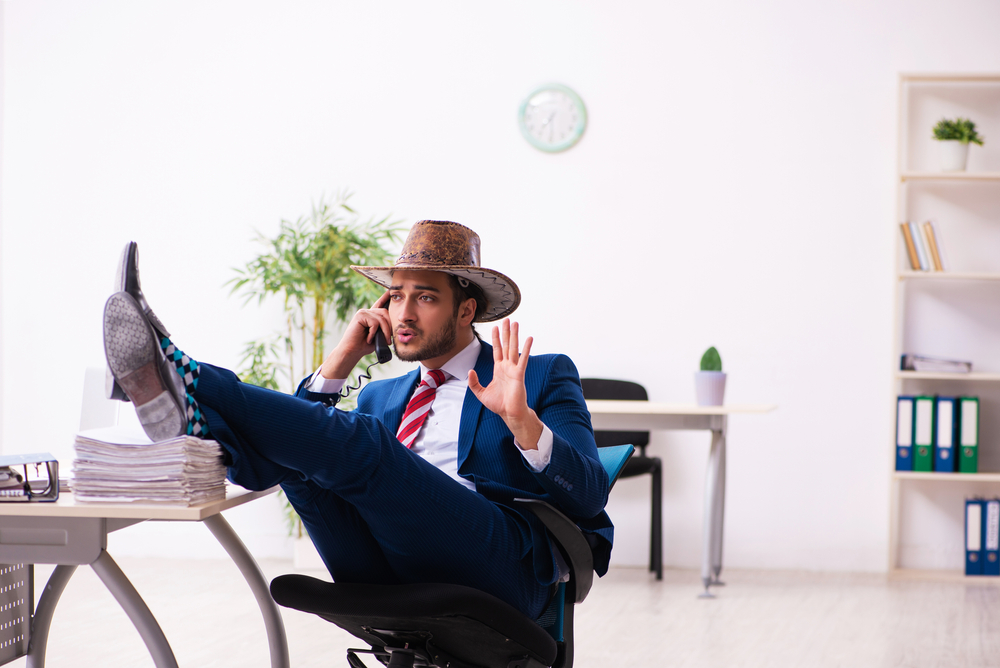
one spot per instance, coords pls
(968, 457)
(923, 434)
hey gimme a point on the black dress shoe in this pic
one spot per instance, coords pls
(127, 280)
(141, 370)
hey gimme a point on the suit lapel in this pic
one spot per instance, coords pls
(471, 408)
(398, 399)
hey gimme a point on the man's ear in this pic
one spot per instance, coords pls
(467, 312)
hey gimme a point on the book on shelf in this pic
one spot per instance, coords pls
(982, 537)
(968, 429)
(121, 464)
(937, 434)
(911, 248)
(923, 246)
(912, 362)
(923, 434)
(930, 235)
(945, 409)
(973, 537)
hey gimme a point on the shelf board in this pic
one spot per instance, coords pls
(949, 275)
(942, 576)
(934, 375)
(946, 477)
(949, 176)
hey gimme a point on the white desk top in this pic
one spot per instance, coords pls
(607, 407)
(67, 506)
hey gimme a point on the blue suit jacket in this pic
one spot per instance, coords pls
(574, 481)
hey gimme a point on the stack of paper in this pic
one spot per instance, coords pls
(122, 465)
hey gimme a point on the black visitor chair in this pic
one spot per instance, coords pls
(640, 464)
(451, 626)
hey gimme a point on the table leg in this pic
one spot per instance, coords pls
(135, 608)
(42, 619)
(276, 640)
(715, 481)
(718, 517)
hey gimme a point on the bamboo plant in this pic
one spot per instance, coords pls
(307, 265)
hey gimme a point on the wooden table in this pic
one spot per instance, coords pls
(643, 415)
(71, 534)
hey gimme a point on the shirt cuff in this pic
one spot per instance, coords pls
(321, 385)
(540, 458)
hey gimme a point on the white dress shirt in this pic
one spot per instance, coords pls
(437, 440)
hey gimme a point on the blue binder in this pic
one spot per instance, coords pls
(904, 433)
(947, 431)
(991, 538)
(974, 537)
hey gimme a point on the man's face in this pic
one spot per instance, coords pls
(423, 316)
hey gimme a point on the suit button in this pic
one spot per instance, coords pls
(569, 488)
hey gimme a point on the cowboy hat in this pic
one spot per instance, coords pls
(440, 245)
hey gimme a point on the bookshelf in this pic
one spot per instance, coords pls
(951, 314)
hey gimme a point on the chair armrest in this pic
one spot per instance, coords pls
(570, 540)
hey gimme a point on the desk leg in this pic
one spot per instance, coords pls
(135, 608)
(715, 494)
(719, 515)
(276, 640)
(42, 619)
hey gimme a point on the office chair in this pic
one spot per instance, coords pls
(640, 464)
(451, 626)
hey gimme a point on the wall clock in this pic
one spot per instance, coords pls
(552, 118)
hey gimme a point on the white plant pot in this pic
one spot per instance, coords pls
(954, 155)
(709, 387)
(306, 557)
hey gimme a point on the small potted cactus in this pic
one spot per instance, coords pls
(710, 382)
(955, 137)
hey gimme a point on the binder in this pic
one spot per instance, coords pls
(973, 537)
(968, 426)
(932, 246)
(991, 538)
(923, 434)
(904, 433)
(944, 434)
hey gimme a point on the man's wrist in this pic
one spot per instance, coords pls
(526, 428)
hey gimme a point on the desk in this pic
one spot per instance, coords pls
(642, 415)
(71, 534)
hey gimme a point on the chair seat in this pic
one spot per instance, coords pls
(449, 622)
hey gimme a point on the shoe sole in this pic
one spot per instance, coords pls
(123, 277)
(137, 365)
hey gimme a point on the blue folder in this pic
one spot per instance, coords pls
(974, 536)
(991, 538)
(947, 432)
(904, 433)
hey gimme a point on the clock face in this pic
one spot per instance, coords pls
(553, 118)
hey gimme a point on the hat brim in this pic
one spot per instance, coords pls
(502, 295)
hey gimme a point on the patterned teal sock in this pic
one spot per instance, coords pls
(187, 369)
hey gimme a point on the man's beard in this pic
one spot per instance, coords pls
(440, 344)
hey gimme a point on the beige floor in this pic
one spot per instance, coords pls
(761, 618)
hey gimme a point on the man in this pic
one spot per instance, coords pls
(417, 484)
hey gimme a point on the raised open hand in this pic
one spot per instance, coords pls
(506, 395)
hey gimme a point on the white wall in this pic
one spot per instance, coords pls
(734, 188)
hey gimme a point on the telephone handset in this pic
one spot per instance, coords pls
(382, 355)
(382, 351)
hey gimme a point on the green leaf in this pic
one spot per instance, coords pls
(711, 361)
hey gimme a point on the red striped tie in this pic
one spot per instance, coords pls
(419, 406)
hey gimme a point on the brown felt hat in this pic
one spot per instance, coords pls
(439, 245)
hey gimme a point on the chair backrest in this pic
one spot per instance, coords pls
(621, 390)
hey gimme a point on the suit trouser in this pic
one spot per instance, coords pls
(377, 512)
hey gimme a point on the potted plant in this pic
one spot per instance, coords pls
(710, 382)
(955, 137)
(308, 266)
